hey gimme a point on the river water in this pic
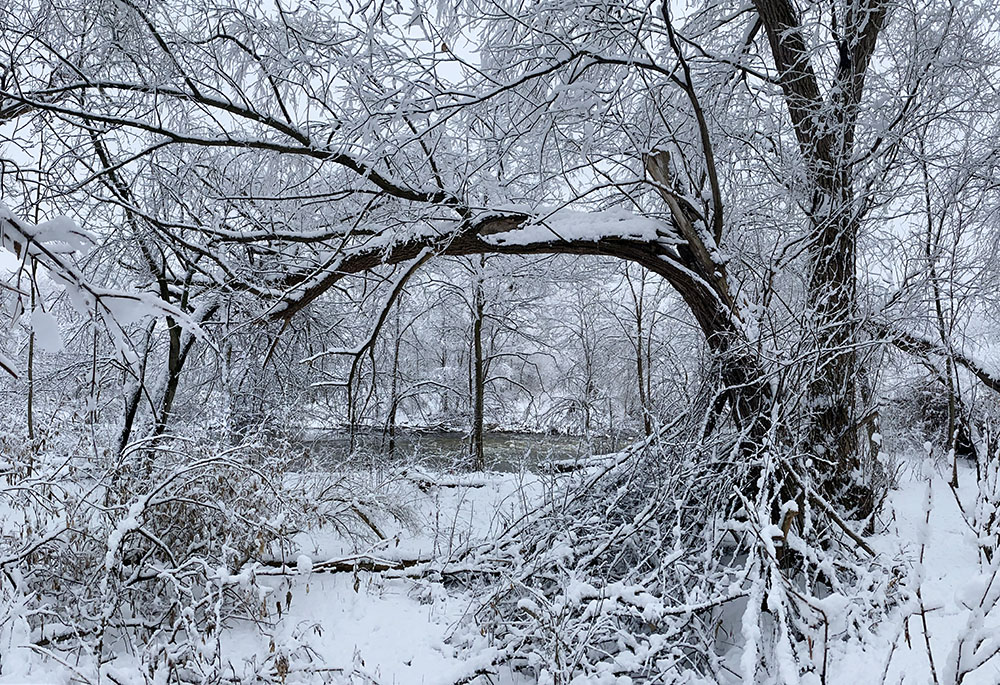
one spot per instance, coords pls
(504, 451)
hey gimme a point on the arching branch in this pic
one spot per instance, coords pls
(660, 251)
(914, 344)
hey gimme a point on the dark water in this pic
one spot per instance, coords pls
(503, 451)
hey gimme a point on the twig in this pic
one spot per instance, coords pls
(832, 513)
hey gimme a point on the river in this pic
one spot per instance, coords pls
(505, 451)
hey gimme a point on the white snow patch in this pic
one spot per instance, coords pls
(46, 330)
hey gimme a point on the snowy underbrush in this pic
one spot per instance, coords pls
(652, 568)
(186, 561)
(192, 562)
(146, 560)
(945, 628)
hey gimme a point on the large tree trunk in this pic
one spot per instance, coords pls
(825, 127)
(833, 425)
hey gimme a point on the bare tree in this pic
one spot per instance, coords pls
(613, 132)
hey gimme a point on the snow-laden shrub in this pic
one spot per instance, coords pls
(918, 414)
(149, 557)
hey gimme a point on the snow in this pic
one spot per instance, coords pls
(125, 526)
(46, 330)
(304, 564)
(391, 628)
(385, 628)
(401, 630)
(572, 225)
(62, 235)
(951, 576)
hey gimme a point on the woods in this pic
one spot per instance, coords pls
(260, 259)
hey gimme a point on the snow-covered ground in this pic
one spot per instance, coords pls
(364, 627)
(406, 631)
(376, 628)
(953, 582)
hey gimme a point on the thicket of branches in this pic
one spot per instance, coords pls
(759, 238)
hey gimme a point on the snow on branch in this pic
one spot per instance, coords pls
(608, 233)
(54, 246)
(915, 343)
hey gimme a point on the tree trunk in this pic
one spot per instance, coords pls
(832, 391)
(638, 301)
(31, 381)
(177, 355)
(135, 397)
(478, 372)
(174, 363)
(824, 126)
(394, 391)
